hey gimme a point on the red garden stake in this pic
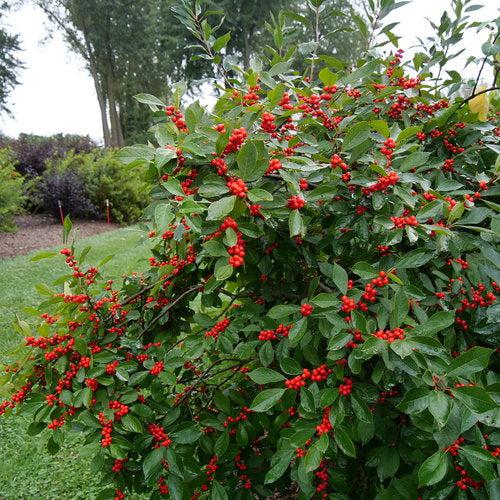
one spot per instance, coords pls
(61, 213)
(108, 218)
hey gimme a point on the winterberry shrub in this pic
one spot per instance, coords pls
(319, 317)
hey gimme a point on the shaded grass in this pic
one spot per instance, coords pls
(27, 471)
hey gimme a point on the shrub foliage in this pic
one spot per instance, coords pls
(33, 151)
(11, 191)
(83, 182)
(318, 317)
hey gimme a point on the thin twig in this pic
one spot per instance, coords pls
(165, 311)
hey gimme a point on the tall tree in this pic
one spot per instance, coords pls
(129, 47)
(9, 63)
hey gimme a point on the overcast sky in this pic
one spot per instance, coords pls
(56, 93)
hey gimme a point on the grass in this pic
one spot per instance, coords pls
(27, 471)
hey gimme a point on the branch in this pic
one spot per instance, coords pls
(465, 101)
(481, 68)
(165, 311)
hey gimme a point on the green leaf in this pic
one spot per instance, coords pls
(67, 227)
(381, 127)
(400, 307)
(221, 444)
(440, 406)
(280, 462)
(132, 424)
(163, 216)
(340, 278)
(408, 132)
(266, 399)
(414, 160)
(152, 465)
(252, 160)
(314, 455)
(43, 255)
(344, 442)
(297, 332)
(414, 258)
(137, 153)
(475, 398)
(149, 99)
(217, 491)
(219, 209)
(221, 42)
(433, 469)
(356, 135)
(364, 270)
(265, 376)
(437, 322)
(175, 487)
(327, 77)
(282, 311)
(471, 361)
(296, 223)
(415, 401)
(187, 434)
(480, 460)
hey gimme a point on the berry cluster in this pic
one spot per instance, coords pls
(157, 368)
(237, 252)
(106, 431)
(402, 222)
(236, 139)
(306, 309)
(267, 123)
(218, 328)
(454, 448)
(390, 335)
(237, 186)
(383, 182)
(120, 409)
(346, 388)
(220, 165)
(337, 162)
(177, 117)
(241, 417)
(388, 150)
(296, 202)
(274, 166)
(323, 479)
(159, 436)
(325, 426)
(273, 334)
(318, 374)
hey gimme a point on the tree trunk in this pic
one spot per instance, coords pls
(101, 98)
(247, 50)
(116, 126)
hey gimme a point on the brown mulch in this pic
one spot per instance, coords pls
(41, 231)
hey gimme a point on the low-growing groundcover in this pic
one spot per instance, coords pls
(318, 318)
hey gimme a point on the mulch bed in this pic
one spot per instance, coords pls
(42, 231)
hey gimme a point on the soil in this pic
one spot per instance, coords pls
(42, 231)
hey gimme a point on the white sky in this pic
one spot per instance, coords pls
(56, 93)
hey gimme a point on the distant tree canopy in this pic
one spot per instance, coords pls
(132, 47)
(9, 63)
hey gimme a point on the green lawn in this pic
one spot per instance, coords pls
(27, 471)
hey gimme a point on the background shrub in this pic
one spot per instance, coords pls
(68, 188)
(83, 182)
(33, 151)
(11, 190)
